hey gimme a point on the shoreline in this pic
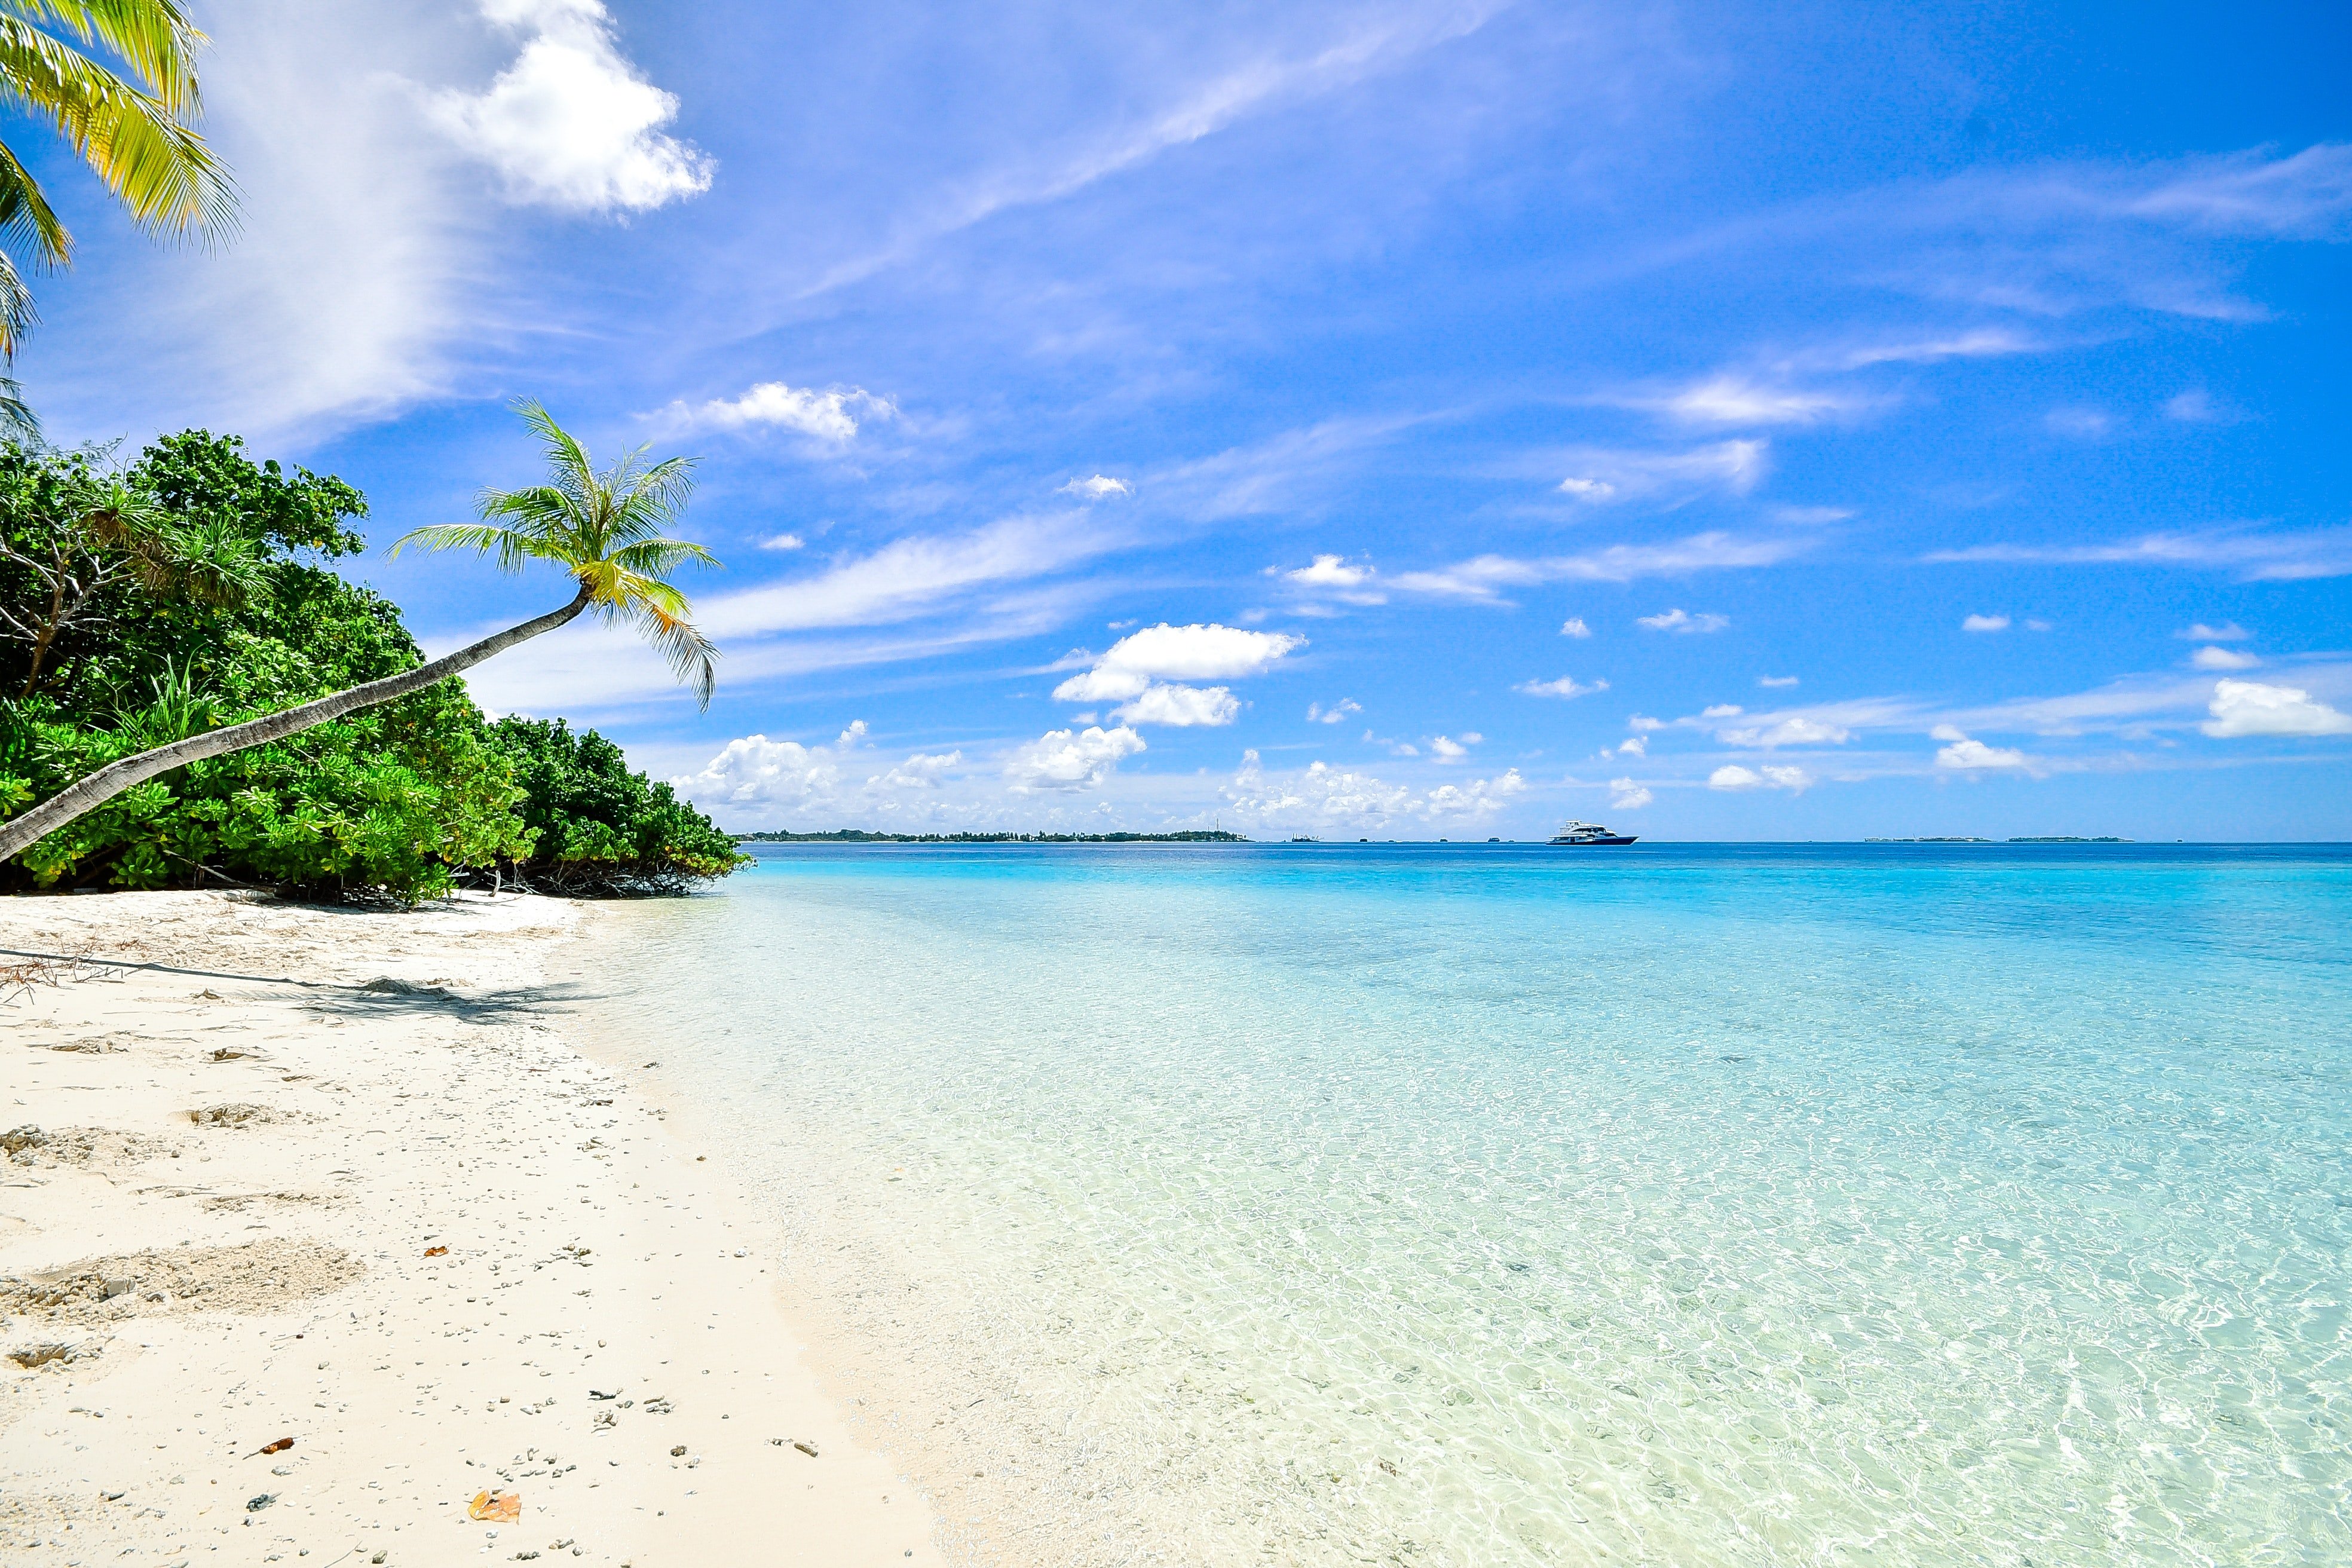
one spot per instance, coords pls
(228, 1178)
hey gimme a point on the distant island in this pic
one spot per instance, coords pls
(860, 836)
(2050, 838)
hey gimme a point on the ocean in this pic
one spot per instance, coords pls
(1499, 1205)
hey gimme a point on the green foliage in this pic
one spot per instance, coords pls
(600, 829)
(402, 801)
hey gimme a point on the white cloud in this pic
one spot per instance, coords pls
(2210, 658)
(1633, 746)
(2195, 406)
(2257, 557)
(1319, 795)
(1776, 681)
(1606, 474)
(1565, 686)
(2229, 631)
(783, 541)
(1734, 777)
(1722, 710)
(1339, 711)
(1731, 399)
(1180, 707)
(2250, 708)
(1987, 343)
(831, 416)
(756, 771)
(2081, 423)
(1480, 797)
(1682, 623)
(571, 123)
(1985, 624)
(1965, 755)
(1197, 652)
(921, 769)
(1330, 572)
(1481, 579)
(1446, 749)
(1574, 627)
(1793, 731)
(1069, 760)
(1625, 795)
(1101, 487)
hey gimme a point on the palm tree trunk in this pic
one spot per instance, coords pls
(21, 833)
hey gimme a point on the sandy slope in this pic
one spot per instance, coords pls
(226, 1174)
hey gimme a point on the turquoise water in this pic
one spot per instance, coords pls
(1494, 1205)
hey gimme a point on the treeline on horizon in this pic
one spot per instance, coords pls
(860, 835)
(190, 589)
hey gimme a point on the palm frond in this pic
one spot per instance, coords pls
(660, 557)
(692, 656)
(154, 37)
(18, 423)
(158, 168)
(26, 220)
(512, 550)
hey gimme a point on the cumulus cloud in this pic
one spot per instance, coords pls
(1566, 686)
(1100, 487)
(1479, 797)
(1446, 749)
(1179, 707)
(1683, 623)
(1734, 777)
(1147, 671)
(2222, 659)
(1069, 759)
(1964, 755)
(1985, 624)
(1321, 795)
(756, 771)
(1794, 730)
(2228, 631)
(922, 769)
(830, 417)
(1625, 795)
(1722, 710)
(2250, 708)
(1587, 489)
(1339, 711)
(783, 541)
(1633, 746)
(571, 123)
(1574, 627)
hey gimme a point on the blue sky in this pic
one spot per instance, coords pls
(1744, 422)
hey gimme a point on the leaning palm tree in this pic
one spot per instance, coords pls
(135, 135)
(604, 528)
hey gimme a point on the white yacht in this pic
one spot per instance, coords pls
(1590, 833)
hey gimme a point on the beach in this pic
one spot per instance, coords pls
(314, 1229)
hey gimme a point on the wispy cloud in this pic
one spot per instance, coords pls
(1482, 579)
(1097, 487)
(1377, 43)
(1605, 474)
(1682, 623)
(2253, 556)
(1565, 687)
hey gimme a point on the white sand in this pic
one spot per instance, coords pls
(270, 1275)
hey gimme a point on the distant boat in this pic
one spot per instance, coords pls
(1580, 833)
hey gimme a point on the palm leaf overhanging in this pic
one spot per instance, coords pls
(606, 530)
(132, 126)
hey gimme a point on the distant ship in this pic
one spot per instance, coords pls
(1590, 833)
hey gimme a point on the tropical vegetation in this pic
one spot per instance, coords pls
(190, 592)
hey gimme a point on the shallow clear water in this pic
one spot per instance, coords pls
(1498, 1205)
